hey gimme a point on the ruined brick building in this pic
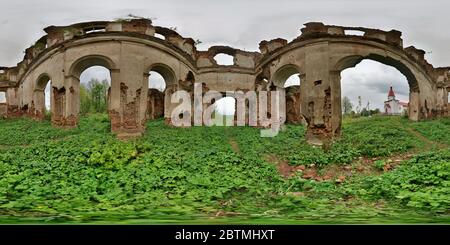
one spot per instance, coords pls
(130, 49)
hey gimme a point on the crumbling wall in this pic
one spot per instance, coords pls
(442, 84)
(447, 113)
(59, 97)
(242, 59)
(155, 107)
(12, 102)
(127, 121)
(129, 47)
(3, 110)
(293, 105)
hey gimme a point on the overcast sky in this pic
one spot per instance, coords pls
(243, 24)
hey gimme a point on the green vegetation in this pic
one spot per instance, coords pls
(94, 97)
(422, 183)
(395, 171)
(360, 111)
(438, 131)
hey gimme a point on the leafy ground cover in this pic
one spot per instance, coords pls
(382, 170)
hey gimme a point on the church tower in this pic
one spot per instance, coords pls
(393, 106)
(391, 94)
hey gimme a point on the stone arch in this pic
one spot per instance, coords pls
(319, 54)
(283, 73)
(155, 99)
(38, 103)
(292, 104)
(166, 72)
(85, 62)
(42, 81)
(320, 61)
(228, 53)
(353, 60)
(414, 102)
(72, 99)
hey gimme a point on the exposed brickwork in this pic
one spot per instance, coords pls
(293, 105)
(155, 107)
(129, 49)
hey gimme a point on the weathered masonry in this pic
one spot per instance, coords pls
(130, 49)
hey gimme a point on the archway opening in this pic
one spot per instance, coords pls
(42, 99)
(156, 88)
(90, 87)
(225, 111)
(288, 78)
(293, 80)
(160, 80)
(373, 88)
(95, 83)
(156, 81)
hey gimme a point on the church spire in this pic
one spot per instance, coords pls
(391, 94)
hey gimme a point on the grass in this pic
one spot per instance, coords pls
(224, 174)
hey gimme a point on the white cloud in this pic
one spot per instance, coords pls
(371, 80)
(95, 72)
(236, 23)
(156, 81)
(293, 80)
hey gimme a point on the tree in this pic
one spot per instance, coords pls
(375, 112)
(359, 107)
(94, 96)
(85, 99)
(347, 105)
(98, 94)
(365, 112)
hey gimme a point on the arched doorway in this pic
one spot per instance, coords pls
(42, 101)
(95, 83)
(288, 79)
(161, 84)
(156, 89)
(90, 85)
(387, 68)
(372, 88)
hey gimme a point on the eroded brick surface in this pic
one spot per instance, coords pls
(131, 48)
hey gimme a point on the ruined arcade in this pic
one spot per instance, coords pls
(130, 49)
